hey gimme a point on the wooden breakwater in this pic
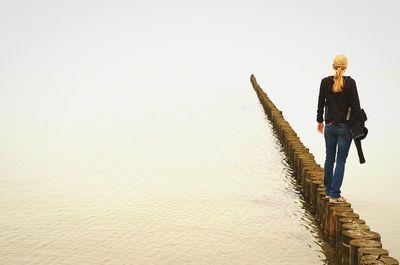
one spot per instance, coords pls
(352, 238)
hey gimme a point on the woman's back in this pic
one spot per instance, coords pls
(338, 105)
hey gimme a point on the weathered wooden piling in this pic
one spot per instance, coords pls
(373, 259)
(344, 219)
(341, 219)
(378, 252)
(356, 244)
(333, 212)
(354, 241)
(316, 181)
(389, 260)
(349, 236)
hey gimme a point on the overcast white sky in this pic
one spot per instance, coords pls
(71, 60)
(76, 61)
(53, 52)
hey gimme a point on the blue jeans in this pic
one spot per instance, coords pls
(337, 137)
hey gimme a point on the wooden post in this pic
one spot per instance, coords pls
(307, 169)
(315, 184)
(333, 211)
(319, 203)
(341, 219)
(356, 244)
(370, 260)
(350, 235)
(328, 214)
(385, 260)
(346, 219)
(389, 260)
(377, 252)
(355, 226)
(314, 175)
(323, 212)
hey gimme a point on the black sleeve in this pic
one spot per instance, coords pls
(355, 102)
(321, 103)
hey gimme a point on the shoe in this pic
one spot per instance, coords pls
(337, 200)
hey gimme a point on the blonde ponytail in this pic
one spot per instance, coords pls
(340, 66)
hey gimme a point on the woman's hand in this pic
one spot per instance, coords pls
(320, 127)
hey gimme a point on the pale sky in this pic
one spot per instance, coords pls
(71, 60)
(56, 52)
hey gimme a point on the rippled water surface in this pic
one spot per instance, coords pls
(201, 182)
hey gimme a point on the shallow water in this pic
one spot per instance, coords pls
(208, 185)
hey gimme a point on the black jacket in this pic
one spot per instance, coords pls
(341, 107)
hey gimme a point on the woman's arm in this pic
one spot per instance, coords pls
(320, 109)
(320, 127)
(355, 103)
(321, 103)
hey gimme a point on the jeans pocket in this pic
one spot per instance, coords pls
(328, 129)
(344, 133)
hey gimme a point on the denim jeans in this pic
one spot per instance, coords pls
(337, 141)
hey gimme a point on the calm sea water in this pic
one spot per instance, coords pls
(192, 182)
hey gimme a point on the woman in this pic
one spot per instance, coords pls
(338, 95)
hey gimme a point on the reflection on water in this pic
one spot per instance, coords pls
(208, 185)
(309, 222)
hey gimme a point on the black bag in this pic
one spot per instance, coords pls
(359, 132)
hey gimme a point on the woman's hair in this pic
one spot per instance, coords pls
(339, 65)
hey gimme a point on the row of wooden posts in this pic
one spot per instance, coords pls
(352, 238)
